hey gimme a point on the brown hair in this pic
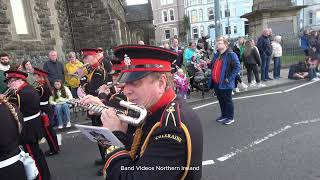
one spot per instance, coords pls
(63, 90)
(169, 82)
(248, 47)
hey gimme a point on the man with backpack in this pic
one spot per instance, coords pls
(225, 67)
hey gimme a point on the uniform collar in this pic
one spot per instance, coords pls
(22, 86)
(165, 99)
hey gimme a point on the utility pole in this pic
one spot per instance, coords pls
(229, 27)
(217, 18)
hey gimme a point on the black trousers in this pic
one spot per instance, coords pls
(49, 133)
(13, 172)
(252, 69)
(36, 153)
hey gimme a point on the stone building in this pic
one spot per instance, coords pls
(281, 16)
(31, 28)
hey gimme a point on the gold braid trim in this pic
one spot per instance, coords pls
(12, 110)
(136, 142)
(188, 139)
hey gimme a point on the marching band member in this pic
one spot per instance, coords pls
(28, 101)
(44, 90)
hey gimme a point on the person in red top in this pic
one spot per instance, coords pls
(170, 137)
(225, 67)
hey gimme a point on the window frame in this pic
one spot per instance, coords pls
(165, 34)
(197, 33)
(310, 17)
(227, 31)
(196, 16)
(163, 16)
(30, 22)
(235, 29)
(211, 9)
(171, 10)
(200, 15)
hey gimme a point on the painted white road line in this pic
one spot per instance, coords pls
(73, 132)
(254, 143)
(198, 107)
(258, 95)
(207, 162)
(302, 85)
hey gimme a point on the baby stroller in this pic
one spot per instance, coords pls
(201, 78)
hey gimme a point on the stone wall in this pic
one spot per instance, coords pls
(97, 23)
(50, 30)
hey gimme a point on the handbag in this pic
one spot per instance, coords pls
(29, 165)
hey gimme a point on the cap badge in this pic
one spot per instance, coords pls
(127, 60)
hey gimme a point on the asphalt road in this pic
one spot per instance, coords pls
(275, 137)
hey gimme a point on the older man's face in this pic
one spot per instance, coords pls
(144, 92)
(4, 60)
(53, 56)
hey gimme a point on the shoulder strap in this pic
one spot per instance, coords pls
(169, 117)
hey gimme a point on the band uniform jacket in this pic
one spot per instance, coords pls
(95, 79)
(45, 93)
(28, 101)
(9, 147)
(171, 142)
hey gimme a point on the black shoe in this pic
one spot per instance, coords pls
(50, 153)
(99, 162)
(100, 172)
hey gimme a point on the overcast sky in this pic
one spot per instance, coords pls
(132, 2)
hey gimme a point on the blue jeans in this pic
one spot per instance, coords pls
(225, 101)
(276, 67)
(63, 113)
(265, 61)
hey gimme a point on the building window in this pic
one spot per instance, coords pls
(23, 20)
(167, 34)
(318, 16)
(165, 16)
(228, 30)
(200, 15)
(171, 12)
(310, 18)
(210, 14)
(202, 30)
(210, 1)
(165, 2)
(193, 2)
(235, 30)
(195, 33)
(194, 17)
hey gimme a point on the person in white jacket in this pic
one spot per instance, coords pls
(277, 53)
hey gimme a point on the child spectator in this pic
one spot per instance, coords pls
(61, 94)
(182, 83)
(277, 53)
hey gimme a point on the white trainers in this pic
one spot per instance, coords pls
(60, 127)
(68, 124)
(252, 84)
(237, 90)
(318, 74)
(315, 79)
(260, 85)
(232, 93)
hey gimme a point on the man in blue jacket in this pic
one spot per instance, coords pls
(265, 50)
(225, 67)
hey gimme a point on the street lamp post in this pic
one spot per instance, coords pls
(217, 18)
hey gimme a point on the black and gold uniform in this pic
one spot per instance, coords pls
(11, 124)
(28, 101)
(169, 144)
(47, 112)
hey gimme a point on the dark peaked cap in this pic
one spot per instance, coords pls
(140, 60)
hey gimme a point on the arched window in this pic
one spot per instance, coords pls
(171, 13)
(164, 16)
